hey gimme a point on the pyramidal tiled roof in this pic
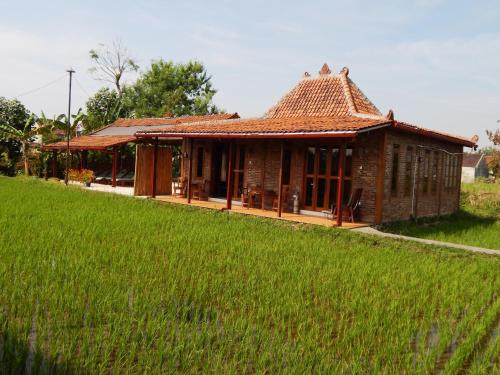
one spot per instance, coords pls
(325, 95)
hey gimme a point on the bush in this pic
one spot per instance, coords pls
(81, 175)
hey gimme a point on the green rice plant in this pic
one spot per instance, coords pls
(94, 283)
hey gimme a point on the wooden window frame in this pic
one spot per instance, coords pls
(329, 179)
(396, 150)
(408, 171)
(434, 172)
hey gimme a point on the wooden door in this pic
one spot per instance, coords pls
(321, 177)
(144, 170)
(239, 171)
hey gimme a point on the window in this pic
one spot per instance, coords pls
(454, 173)
(408, 170)
(434, 172)
(446, 171)
(199, 161)
(322, 174)
(287, 162)
(395, 167)
(425, 183)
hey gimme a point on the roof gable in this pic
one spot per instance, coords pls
(471, 160)
(325, 95)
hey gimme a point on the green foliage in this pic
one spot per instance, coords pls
(182, 89)
(98, 283)
(14, 114)
(103, 108)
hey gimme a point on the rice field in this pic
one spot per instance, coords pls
(98, 283)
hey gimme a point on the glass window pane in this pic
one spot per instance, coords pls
(323, 154)
(333, 194)
(346, 193)
(334, 169)
(311, 153)
(348, 162)
(320, 197)
(309, 191)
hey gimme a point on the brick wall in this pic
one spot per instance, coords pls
(402, 204)
(365, 170)
(262, 163)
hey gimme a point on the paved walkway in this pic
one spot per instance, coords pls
(475, 249)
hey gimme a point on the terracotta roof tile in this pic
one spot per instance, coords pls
(324, 95)
(434, 134)
(471, 160)
(128, 122)
(300, 125)
(90, 142)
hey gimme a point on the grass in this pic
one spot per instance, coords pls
(94, 283)
(477, 223)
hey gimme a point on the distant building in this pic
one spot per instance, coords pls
(473, 166)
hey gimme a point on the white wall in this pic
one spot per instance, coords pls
(468, 174)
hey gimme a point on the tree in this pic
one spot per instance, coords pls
(182, 89)
(14, 114)
(103, 108)
(494, 154)
(23, 136)
(111, 63)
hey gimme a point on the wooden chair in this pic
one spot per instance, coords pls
(245, 197)
(180, 187)
(198, 190)
(351, 209)
(255, 194)
(284, 198)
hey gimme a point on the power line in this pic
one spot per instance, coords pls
(81, 86)
(41, 87)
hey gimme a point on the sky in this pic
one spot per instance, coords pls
(435, 63)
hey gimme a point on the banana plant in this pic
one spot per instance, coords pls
(23, 136)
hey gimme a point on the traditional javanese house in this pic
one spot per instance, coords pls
(323, 148)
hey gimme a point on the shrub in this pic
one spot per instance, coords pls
(82, 175)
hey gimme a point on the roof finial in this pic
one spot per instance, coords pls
(475, 138)
(306, 74)
(325, 70)
(390, 115)
(345, 71)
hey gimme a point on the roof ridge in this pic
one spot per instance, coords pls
(347, 91)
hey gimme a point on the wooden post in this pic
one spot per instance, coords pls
(85, 154)
(340, 184)
(380, 180)
(54, 163)
(113, 168)
(263, 177)
(153, 168)
(80, 167)
(190, 170)
(280, 181)
(229, 192)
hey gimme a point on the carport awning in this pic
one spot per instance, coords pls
(91, 142)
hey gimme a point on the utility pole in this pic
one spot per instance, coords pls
(68, 130)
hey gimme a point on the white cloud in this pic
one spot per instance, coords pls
(32, 60)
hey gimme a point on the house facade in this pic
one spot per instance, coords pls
(474, 166)
(321, 143)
